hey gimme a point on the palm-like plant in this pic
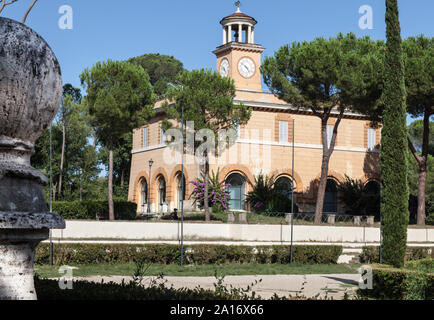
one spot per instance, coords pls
(262, 192)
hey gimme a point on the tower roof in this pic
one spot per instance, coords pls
(238, 15)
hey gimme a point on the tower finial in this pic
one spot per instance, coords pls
(238, 5)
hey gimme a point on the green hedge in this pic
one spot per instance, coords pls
(84, 290)
(193, 254)
(87, 210)
(400, 284)
(372, 254)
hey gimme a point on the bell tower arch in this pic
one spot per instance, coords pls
(239, 57)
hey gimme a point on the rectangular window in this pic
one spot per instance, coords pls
(372, 139)
(283, 132)
(145, 137)
(329, 135)
(161, 136)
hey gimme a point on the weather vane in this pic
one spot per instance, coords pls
(238, 4)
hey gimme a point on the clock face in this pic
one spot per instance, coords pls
(246, 67)
(224, 68)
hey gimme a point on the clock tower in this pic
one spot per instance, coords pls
(239, 57)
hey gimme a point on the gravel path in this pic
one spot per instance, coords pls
(327, 285)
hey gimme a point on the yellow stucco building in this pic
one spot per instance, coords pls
(263, 145)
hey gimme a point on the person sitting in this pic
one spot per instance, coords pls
(174, 214)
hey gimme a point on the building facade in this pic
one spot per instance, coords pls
(265, 144)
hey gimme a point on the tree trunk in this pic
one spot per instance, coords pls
(322, 188)
(327, 153)
(62, 157)
(122, 176)
(206, 187)
(53, 192)
(422, 161)
(110, 186)
(421, 195)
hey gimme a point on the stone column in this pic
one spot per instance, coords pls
(249, 34)
(30, 94)
(225, 36)
(253, 35)
(230, 33)
(240, 33)
(370, 220)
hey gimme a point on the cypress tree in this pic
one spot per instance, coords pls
(394, 202)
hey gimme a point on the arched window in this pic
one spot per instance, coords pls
(143, 194)
(236, 191)
(284, 186)
(180, 192)
(373, 187)
(161, 192)
(331, 197)
(373, 202)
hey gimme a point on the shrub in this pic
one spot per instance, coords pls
(218, 194)
(269, 196)
(70, 253)
(430, 219)
(372, 254)
(87, 210)
(400, 284)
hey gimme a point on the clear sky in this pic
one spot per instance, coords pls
(190, 30)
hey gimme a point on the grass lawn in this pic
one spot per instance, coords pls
(45, 271)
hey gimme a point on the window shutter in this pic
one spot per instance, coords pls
(372, 138)
(283, 132)
(145, 137)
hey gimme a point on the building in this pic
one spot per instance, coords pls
(263, 145)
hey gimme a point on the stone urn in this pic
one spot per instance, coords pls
(30, 94)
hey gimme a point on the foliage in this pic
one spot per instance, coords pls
(207, 100)
(119, 99)
(339, 74)
(400, 284)
(413, 181)
(88, 210)
(415, 132)
(80, 168)
(218, 194)
(267, 198)
(394, 195)
(372, 254)
(74, 253)
(156, 290)
(419, 74)
(358, 199)
(161, 69)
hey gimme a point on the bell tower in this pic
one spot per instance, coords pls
(239, 57)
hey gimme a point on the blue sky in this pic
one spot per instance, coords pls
(190, 29)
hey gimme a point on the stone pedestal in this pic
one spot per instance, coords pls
(242, 217)
(288, 218)
(331, 218)
(357, 220)
(231, 217)
(30, 94)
